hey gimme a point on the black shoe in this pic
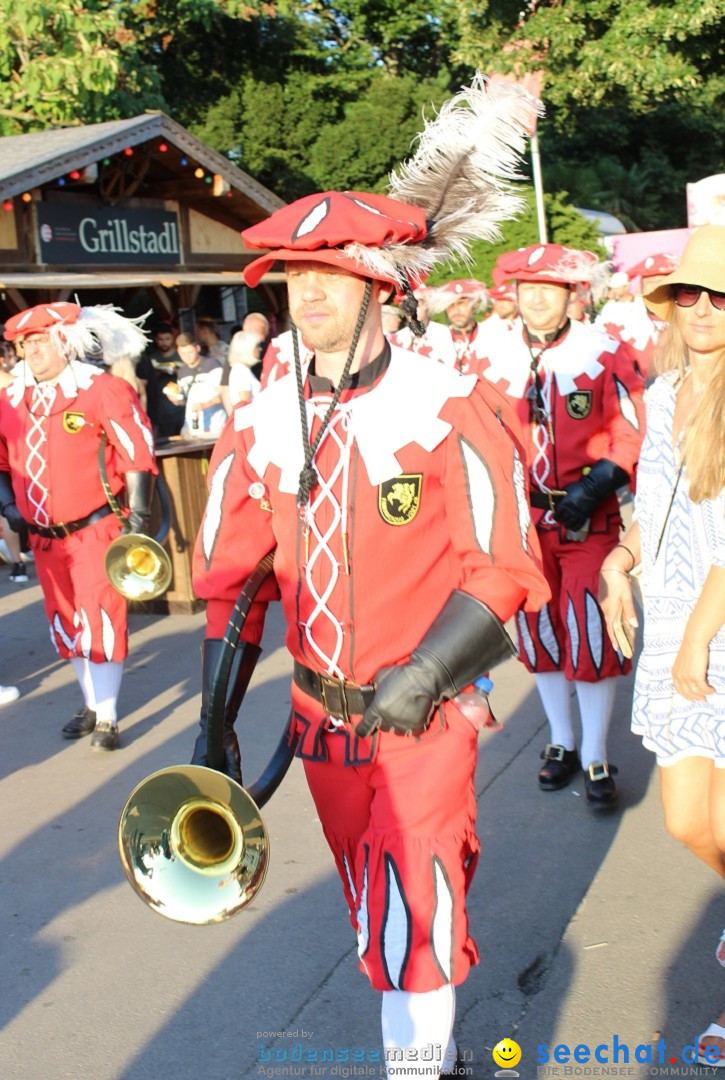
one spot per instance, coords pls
(18, 574)
(561, 765)
(600, 787)
(105, 736)
(82, 723)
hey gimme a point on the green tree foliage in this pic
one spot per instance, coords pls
(634, 92)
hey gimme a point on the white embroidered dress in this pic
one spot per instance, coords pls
(693, 540)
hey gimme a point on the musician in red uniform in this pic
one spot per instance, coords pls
(52, 418)
(580, 400)
(627, 318)
(397, 505)
(461, 300)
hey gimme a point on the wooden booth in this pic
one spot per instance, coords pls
(141, 214)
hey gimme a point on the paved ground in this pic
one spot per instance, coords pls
(590, 929)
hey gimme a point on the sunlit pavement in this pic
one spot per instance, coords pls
(590, 928)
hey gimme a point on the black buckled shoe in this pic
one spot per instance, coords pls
(600, 787)
(82, 723)
(559, 768)
(105, 736)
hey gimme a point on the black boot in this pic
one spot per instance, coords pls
(245, 660)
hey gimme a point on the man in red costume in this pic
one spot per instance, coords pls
(580, 401)
(461, 300)
(630, 320)
(397, 505)
(52, 418)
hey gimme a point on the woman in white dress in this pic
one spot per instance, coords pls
(679, 538)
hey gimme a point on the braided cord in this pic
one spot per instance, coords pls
(308, 476)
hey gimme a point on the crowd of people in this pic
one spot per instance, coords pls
(456, 473)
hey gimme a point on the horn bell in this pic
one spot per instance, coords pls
(193, 844)
(138, 567)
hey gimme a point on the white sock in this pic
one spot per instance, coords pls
(80, 666)
(106, 679)
(555, 693)
(596, 701)
(416, 1021)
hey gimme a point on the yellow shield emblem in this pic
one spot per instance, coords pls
(579, 404)
(399, 498)
(73, 422)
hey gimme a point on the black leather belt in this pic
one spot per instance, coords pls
(542, 501)
(339, 699)
(66, 528)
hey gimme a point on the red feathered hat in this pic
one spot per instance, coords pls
(349, 229)
(502, 292)
(653, 266)
(39, 318)
(548, 263)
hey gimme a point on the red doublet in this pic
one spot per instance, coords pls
(420, 493)
(631, 323)
(49, 441)
(592, 404)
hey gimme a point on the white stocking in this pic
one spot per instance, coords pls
(80, 666)
(596, 701)
(415, 1022)
(106, 679)
(555, 693)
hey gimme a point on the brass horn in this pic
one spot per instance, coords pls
(138, 567)
(192, 841)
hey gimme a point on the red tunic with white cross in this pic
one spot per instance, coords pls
(421, 492)
(49, 442)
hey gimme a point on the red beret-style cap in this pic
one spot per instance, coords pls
(653, 266)
(502, 292)
(462, 287)
(550, 263)
(36, 319)
(334, 227)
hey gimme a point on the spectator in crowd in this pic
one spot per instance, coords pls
(157, 370)
(245, 351)
(52, 420)
(198, 378)
(580, 402)
(678, 537)
(254, 323)
(208, 337)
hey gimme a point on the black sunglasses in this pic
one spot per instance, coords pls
(688, 295)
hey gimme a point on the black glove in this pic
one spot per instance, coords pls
(139, 493)
(245, 660)
(584, 496)
(465, 640)
(9, 509)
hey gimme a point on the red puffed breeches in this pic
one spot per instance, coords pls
(568, 633)
(87, 616)
(399, 815)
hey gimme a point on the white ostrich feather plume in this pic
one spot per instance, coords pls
(101, 329)
(461, 176)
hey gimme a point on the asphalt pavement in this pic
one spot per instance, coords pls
(594, 931)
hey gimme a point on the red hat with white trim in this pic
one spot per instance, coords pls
(654, 266)
(334, 228)
(507, 291)
(38, 319)
(548, 263)
(460, 289)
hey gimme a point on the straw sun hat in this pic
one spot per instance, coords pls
(702, 263)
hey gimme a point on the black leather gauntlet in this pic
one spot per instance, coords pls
(583, 496)
(464, 641)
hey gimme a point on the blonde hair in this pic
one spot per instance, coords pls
(704, 434)
(242, 348)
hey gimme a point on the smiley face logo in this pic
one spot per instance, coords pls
(506, 1053)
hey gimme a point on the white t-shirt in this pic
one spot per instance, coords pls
(242, 381)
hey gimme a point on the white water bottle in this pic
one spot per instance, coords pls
(474, 704)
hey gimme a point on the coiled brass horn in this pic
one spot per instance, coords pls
(192, 841)
(137, 566)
